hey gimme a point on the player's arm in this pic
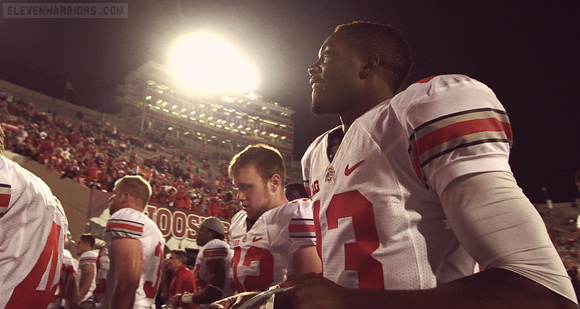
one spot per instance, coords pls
(307, 260)
(503, 232)
(499, 227)
(71, 296)
(87, 277)
(128, 257)
(217, 280)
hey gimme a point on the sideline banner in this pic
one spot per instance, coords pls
(178, 226)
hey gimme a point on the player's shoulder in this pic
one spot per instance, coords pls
(240, 215)
(12, 174)
(128, 214)
(126, 222)
(18, 184)
(216, 244)
(431, 98)
(431, 87)
(301, 203)
(444, 81)
(299, 208)
(88, 255)
(238, 226)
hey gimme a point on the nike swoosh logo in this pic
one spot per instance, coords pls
(348, 170)
(256, 239)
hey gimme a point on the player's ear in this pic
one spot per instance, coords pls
(125, 196)
(276, 182)
(370, 63)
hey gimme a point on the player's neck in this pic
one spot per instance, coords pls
(372, 95)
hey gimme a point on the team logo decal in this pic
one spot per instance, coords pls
(330, 174)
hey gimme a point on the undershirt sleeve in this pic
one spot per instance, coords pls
(500, 228)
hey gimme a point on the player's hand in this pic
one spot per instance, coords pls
(185, 297)
(232, 301)
(312, 291)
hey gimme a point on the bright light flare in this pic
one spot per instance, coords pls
(204, 62)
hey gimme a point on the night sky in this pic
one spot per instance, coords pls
(528, 52)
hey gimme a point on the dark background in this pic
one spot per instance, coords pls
(526, 51)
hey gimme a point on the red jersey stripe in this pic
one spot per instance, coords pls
(301, 228)
(124, 226)
(216, 252)
(4, 200)
(424, 80)
(459, 129)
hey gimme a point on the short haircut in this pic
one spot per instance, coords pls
(1, 140)
(88, 238)
(181, 254)
(267, 160)
(385, 40)
(136, 186)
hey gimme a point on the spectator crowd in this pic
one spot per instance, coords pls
(96, 154)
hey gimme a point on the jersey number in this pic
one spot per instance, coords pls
(150, 288)
(29, 294)
(254, 283)
(357, 257)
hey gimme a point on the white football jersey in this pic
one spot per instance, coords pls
(87, 258)
(69, 269)
(378, 216)
(32, 232)
(388, 230)
(131, 223)
(215, 249)
(263, 255)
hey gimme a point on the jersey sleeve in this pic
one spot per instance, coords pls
(124, 224)
(5, 186)
(215, 250)
(456, 126)
(500, 228)
(88, 258)
(297, 226)
(5, 193)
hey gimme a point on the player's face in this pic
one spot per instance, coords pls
(80, 247)
(203, 236)
(115, 201)
(253, 192)
(334, 76)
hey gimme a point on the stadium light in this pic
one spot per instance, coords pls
(204, 62)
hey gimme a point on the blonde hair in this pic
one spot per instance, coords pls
(136, 186)
(266, 159)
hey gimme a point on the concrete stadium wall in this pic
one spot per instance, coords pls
(73, 196)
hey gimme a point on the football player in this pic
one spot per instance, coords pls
(271, 237)
(129, 264)
(32, 234)
(414, 189)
